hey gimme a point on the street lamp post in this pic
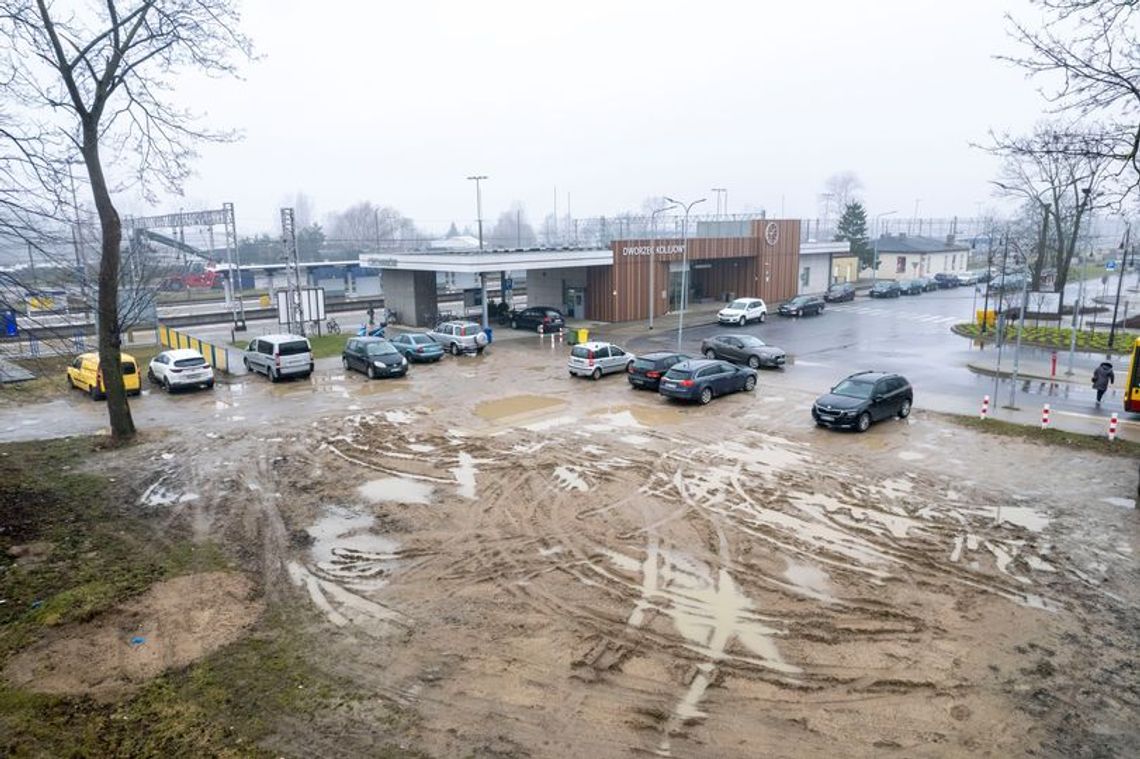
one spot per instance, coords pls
(1119, 285)
(684, 264)
(479, 205)
(875, 254)
(653, 259)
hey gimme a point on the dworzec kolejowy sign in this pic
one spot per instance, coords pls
(647, 250)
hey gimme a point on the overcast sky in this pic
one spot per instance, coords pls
(611, 102)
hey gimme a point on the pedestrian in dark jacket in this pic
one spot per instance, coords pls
(1102, 378)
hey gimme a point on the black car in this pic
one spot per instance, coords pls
(538, 318)
(840, 292)
(885, 288)
(802, 305)
(912, 287)
(701, 381)
(946, 280)
(743, 349)
(863, 398)
(374, 356)
(647, 370)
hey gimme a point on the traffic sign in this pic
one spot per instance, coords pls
(1110, 265)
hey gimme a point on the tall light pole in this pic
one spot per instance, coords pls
(875, 255)
(721, 192)
(1079, 302)
(653, 259)
(1124, 248)
(684, 264)
(479, 205)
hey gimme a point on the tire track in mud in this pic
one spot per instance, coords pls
(753, 560)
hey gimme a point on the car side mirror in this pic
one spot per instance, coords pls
(878, 398)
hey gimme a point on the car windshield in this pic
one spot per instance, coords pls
(421, 340)
(882, 285)
(838, 288)
(380, 349)
(750, 340)
(854, 389)
(797, 301)
(740, 305)
(184, 362)
(294, 348)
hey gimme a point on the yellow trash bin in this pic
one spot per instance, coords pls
(988, 317)
(264, 301)
(583, 336)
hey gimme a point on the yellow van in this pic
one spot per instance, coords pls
(84, 374)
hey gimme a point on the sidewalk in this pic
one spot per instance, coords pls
(1032, 369)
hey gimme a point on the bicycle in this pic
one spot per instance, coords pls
(332, 327)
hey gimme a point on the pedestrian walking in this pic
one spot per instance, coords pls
(371, 315)
(1102, 378)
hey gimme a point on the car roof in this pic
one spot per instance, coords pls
(458, 322)
(698, 363)
(748, 300)
(872, 376)
(281, 337)
(370, 339)
(660, 354)
(177, 353)
(95, 355)
(594, 345)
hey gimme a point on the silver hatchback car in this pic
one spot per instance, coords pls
(595, 359)
(459, 337)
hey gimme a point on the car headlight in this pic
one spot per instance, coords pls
(403, 361)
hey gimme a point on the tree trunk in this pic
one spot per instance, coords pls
(110, 341)
(1042, 241)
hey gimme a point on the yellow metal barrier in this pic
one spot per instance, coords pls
(216, 356)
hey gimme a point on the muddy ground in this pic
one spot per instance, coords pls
(528, 565)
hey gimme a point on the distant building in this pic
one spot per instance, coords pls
(818, 268)
(904, 256)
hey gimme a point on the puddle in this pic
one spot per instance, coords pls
(810, 580)
(396, 489)
(345, 549)
(637, 440)
(570, 479)
(911, 456)
(421, 447)
(465, 475)
(1124, 503)
(647, 416)
(398, 416)
(515, 405)
(1023, 516)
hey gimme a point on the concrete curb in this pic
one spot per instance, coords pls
(991, 372)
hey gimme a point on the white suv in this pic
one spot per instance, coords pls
(743, 310)
(179, 368)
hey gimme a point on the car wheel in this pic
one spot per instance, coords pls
(91, 392)
(904, 409)
(150, 375)
(273, 375)
(863, 423)
(210, 385)
(344, 361)
(455, 349)
(749, 384)
(371, 372)
(820, 309)
(762, 317)
(245, 362)
(710, 354)
(799, 312)
(753, 362)
(166, 385)
(514, 324)
(596, 374)
(743, 321)
(706, 396)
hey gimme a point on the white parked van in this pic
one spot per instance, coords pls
(278, 356)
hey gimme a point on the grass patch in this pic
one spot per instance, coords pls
(51, 377)
(1056, 337)
(101, 553)
(324, 346)
(1095, 443)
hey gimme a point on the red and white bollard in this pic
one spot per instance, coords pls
(1112, 428)
(1045, 417)
(985, 407)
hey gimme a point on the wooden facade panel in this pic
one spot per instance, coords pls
(745, 266)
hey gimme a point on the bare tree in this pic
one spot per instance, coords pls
(1064, 174)
(1089, 51)
(512, 230)
(839, 191)
(367, 226)
(92, 82)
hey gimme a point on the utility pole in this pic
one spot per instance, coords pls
(1001, 317)
(653, 259)
(1119, 283)
(1017, 349)
(684, 265)
(292, 271)
(479, 206)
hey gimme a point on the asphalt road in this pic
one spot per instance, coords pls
(911, 336)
